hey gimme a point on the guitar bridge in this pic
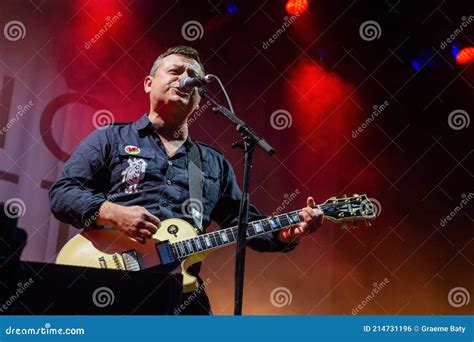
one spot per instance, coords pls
(132, 260)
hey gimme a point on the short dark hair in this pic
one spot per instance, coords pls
(182, 50)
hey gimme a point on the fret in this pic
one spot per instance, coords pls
(198, 243)
(223, 236)
(258, 227)
(193, 243)
(294, 217)
(230, 234)
(233, 231)
(174, 247)
(208, 241)
(218, 238)
(275, 223)
(266, 225)
(181, 247)
(251, 230)
(202, 239)
(189, 246)
(284, 220)
(213, 240)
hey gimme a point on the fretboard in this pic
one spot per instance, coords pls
(228, 236)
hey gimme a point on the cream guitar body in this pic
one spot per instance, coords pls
(104, 248)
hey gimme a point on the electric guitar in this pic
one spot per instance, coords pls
(177, 241)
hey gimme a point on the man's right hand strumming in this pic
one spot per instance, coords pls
(135, 221)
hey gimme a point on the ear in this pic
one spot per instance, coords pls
(147, 84)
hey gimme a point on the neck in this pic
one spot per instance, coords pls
(171, 130)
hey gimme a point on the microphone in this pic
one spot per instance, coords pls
(188, 83)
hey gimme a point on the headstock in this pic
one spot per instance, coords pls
(355, 208)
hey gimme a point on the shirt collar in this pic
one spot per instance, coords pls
(144, 123)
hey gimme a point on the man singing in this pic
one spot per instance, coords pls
(136, 174)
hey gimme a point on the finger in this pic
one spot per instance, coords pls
(153, 219)
(310, 202)
(310, 212)
(150, 227)
(144, 233)
(298, 230)
(306, 214)
(138, 237)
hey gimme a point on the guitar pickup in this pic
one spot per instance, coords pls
(165, 252)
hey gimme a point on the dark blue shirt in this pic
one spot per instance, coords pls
(127, 164)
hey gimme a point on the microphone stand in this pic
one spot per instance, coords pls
(249, 141)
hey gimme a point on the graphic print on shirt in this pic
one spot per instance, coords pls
(133, 174)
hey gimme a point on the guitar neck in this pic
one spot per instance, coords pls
(228, 236)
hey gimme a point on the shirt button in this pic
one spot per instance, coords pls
(168, 182)
(170, 162)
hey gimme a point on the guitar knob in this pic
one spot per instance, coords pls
(344, 226)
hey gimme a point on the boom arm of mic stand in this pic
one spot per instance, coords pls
(241, 126)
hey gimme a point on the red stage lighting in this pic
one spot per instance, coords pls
(296, 6)
(465, 56)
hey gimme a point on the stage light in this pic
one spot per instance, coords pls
(454, 50)
(232, 7)
(415, 65)
(465, 56)
(296, 6)
(423, 60)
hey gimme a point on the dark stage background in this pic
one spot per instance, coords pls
(383, 111)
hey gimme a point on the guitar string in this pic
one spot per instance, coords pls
(234, 230)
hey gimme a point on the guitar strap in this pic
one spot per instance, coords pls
(195, 207)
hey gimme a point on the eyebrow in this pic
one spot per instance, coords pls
(186, 66)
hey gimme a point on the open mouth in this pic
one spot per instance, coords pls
(181, 93)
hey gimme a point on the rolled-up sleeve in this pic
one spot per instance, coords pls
(226, 214)
(78, 193)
